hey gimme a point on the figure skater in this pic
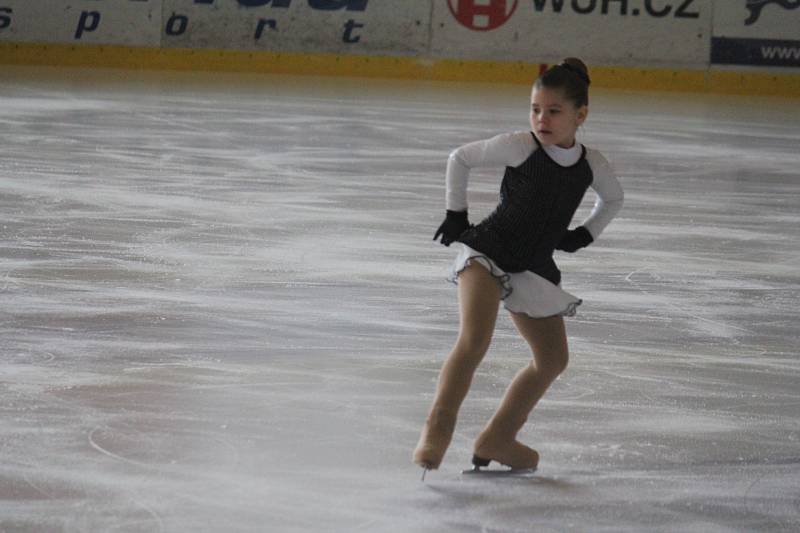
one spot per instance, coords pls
(508, 257)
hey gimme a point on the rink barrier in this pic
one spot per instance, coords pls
(720, 46)
(714, 80)
(617, 32)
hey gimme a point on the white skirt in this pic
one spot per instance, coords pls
(523, 292)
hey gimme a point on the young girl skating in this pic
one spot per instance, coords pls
(509, 257)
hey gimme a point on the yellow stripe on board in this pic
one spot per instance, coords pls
(714, 81)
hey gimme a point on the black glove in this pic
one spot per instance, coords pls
(574, 240)
(454, 225)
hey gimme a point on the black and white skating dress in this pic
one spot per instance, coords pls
(541, 190)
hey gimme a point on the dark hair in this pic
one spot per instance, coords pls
(570, 76)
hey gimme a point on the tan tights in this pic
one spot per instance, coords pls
(479, 298)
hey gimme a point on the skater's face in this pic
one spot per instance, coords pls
(554, 118)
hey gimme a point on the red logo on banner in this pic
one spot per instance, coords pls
(482, 15)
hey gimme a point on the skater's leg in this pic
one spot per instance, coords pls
(479, 298)
(548, 342)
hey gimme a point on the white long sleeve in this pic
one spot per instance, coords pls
(511, 150)
(505, 150)
(609, 194)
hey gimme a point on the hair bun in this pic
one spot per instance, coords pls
(577, 67)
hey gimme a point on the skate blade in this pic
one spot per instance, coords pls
(493, 472)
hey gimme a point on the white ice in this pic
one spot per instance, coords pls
(221, 310)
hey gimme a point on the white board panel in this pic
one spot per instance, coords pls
(759, 19)
(336, 26)
(611, 32)
(123, 22)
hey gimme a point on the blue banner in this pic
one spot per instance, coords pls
(763, 52)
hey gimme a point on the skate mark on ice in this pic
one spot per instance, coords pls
(93, 443)
(684, 311)
(44, 492)
(225, 447)
(156, 518)
(753, 507)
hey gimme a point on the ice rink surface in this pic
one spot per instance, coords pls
(222, 310)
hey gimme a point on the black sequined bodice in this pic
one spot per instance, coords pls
(537, 202)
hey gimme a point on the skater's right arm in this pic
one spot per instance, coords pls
(508, 149)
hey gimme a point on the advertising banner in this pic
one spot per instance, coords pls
(757, 32)
(334, 26)
(609, 32)
(628, 33)
(123, 22)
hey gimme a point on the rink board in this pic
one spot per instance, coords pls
(763, 34)
(121, 22)
(716, 80)
(695, 45)
(608, 33)
(355, 26)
